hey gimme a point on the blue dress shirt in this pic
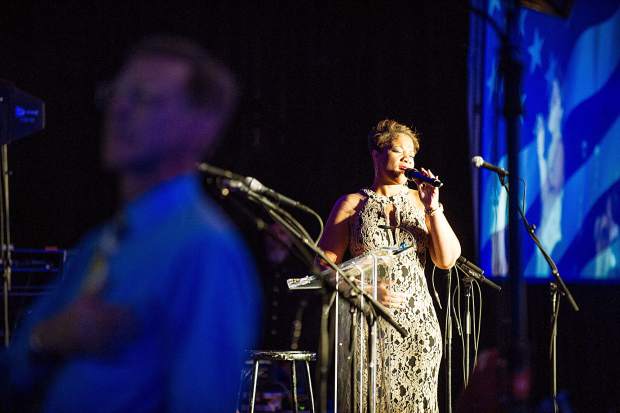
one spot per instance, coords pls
(188, 281)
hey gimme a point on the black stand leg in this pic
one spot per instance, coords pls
(254, 383)
(468, 287)
(555, 312)
(294, 389)
(310, 386)
(448, 345)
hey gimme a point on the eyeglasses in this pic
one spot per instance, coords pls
(108, 91)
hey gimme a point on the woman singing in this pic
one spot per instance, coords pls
(408, 367)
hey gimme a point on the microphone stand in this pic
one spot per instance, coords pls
(512, 70)
(472, 273)
(5, 241)
(468, 287)
(367, 304)
(302, 236)
(555, 313)
(558, 289)
(448, 344)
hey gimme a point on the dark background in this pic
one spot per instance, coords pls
(315, 77)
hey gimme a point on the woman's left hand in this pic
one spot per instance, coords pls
(429, 195)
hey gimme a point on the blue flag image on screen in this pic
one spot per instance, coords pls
(569, 156)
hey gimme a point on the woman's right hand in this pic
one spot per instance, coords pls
(389, 298)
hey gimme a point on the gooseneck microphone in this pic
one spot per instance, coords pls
(247, 184)
(472, 270)
(414, 174)
(479, 162)
(255, 185)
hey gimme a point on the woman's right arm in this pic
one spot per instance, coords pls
(335, 239)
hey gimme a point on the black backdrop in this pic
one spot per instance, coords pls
(315, 77)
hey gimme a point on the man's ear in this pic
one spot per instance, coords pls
(204, 127)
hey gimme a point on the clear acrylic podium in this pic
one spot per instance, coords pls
(352, 332)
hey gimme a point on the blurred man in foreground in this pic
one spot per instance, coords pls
(157, 307)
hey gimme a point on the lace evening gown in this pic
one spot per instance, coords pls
(408, 368)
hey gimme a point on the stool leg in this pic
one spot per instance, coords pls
(294, 377)
(310, 386)
(254, 382)
(244, 375)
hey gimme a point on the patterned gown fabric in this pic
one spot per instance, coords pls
(408, 368)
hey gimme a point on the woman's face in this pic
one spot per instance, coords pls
(392, 161)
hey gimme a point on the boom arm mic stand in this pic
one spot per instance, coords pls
(359, 298)
(558, 289)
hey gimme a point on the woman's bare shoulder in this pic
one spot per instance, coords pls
(350, 201)
(354, 197)
(345, 207)
(348, 204)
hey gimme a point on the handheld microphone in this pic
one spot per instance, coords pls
(479, 162)
(414, 174)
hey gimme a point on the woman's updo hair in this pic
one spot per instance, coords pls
(386, 131)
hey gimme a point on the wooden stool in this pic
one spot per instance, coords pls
(292, 356)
